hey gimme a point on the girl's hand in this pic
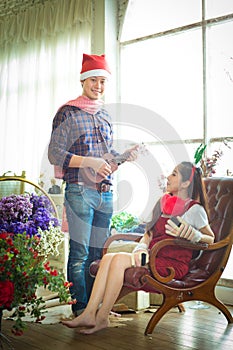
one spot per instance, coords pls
(137, 258)
(183, 231)
(171, 228)
(140, 249)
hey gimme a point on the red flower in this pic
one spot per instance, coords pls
(17, 332)
(22, 308)
(54, 273)
(45, 281)
(4, 235)
(46, 266)
(9, 241)
(68, 284)
(35, 255)
(6, 294)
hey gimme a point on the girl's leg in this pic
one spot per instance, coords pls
(119, 263)
(87, 318)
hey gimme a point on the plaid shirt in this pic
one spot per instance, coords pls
(78, 132)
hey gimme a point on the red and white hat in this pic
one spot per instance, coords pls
(94, 66)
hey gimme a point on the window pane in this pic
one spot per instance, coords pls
(224, 166)
(144, 17)
(217, 8)
(165, 75)
(141, 183)
(220, 80)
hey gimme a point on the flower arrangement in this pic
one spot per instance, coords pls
(29, 232)
(208, 163)
(34, 215)
(21, 273)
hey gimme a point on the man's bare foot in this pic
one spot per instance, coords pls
(81, 321)
(99, 325)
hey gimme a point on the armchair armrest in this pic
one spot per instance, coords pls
(171, 242)
(220, 244)
(121, 237)
(185, 244)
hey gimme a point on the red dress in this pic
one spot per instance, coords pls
(170, 256)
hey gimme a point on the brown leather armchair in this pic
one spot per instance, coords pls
(205, 269)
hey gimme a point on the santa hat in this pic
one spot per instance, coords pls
(94, 66)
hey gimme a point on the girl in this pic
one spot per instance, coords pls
(186, 199)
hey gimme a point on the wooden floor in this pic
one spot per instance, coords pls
(195, 329)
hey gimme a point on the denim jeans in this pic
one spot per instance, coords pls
(89, 215)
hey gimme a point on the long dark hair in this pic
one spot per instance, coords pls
(196, 190)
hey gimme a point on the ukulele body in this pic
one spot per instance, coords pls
(90, 176)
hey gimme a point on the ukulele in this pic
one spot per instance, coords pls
(90, 176)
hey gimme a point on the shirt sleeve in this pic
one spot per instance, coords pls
(58, 152)
(196, 216)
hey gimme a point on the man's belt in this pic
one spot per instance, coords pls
(100, 187)
(103, 187)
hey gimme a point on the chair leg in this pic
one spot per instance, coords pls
(218, 304)
(158, 314)
(181, 307)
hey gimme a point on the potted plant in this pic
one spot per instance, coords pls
(29, 232)
(126, 222)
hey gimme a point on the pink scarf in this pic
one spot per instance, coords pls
(173, 205)
(86, 104)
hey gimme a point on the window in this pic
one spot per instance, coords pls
(177, 72)
(177, 61)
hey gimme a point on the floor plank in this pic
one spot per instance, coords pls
(195, 329)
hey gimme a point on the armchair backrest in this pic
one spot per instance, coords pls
(220, 200)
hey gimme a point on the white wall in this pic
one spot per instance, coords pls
(104, 40)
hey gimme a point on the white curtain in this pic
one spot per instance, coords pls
(40, 59)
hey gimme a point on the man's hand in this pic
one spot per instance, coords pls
(99, 165)
(132, 153)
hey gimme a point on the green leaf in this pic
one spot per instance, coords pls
(199, 153)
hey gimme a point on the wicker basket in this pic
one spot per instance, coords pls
(9, 186)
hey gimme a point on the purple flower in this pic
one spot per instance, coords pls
(15, 208)
(26, 213)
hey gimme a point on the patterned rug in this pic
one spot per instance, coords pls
(55, 312)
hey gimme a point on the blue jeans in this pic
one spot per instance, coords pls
(89, 215)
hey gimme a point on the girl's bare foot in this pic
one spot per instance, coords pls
(100, 324)
(82, 320)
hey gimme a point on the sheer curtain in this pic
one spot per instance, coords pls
(40, 59)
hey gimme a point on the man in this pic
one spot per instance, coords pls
(81, 136)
